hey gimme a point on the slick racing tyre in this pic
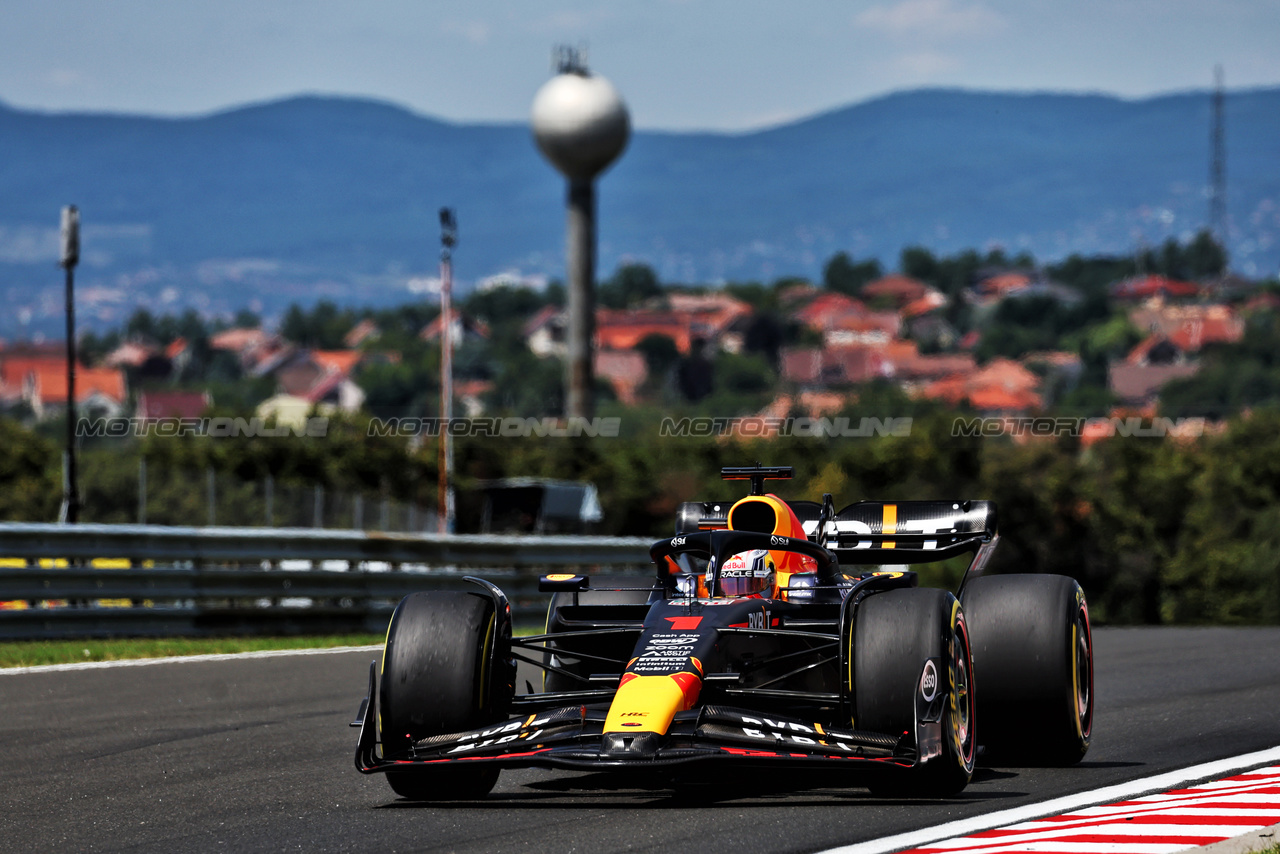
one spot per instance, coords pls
(438, 677)
(909, 647)
(1033, 653)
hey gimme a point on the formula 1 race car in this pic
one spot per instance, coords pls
(776, 633)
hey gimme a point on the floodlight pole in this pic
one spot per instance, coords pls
(70, 256)
(448, 239)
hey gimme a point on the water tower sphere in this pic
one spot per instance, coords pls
(580, 123)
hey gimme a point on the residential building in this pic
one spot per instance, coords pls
(154, 405)
(41, 383)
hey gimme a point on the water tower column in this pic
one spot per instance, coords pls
(581, 125)
(580, 247)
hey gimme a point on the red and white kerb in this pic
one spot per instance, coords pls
(1155, 824)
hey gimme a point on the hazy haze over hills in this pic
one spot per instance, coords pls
(312, 197)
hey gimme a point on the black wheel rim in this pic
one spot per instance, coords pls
(962, 711)
(1083, 674)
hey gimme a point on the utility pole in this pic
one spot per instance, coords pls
(70, 257)
(448, 239)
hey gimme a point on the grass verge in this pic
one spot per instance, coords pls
(31, 653)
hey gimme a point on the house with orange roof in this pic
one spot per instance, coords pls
(623, 329)
(713, 311)
(818, 313)
(1002, 285)
(994, 287)
(257, 350)
(1146, 287)
(240, 339)
(41, 382)
(932, 301)
(1191, 327)
(1156, 361)
(825, 367)
(1001, 387)
(684, 318)
(909, 296)
(844, 321)
(322, 376)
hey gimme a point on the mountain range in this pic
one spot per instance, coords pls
(315, 197)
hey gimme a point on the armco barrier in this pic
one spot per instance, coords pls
(194, 581)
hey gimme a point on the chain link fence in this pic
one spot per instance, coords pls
(166, 496)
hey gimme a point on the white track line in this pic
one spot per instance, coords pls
(1133, 788)
(182, 659)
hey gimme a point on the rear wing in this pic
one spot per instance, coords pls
(863, 532)
(913, 531)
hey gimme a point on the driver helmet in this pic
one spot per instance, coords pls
(748, 573)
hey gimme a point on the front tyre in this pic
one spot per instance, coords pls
(1034, 650)
(908, 646)
(437, 678)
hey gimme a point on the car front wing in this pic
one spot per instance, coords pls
(571, 737)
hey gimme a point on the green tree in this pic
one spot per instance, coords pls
(504, 303)
(841, 273)
(30, 467)
(918, 263)
(323, 327)
(629, 286)
(660, 354)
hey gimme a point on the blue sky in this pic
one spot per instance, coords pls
(680, 64)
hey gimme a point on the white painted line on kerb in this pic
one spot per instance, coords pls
(1120, 791)
(182, 659)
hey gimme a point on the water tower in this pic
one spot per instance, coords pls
(581, 125)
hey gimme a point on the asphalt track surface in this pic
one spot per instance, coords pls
(256, 755)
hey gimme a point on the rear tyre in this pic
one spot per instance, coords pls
(1033, 649)
(437, 678)
(894, 634)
